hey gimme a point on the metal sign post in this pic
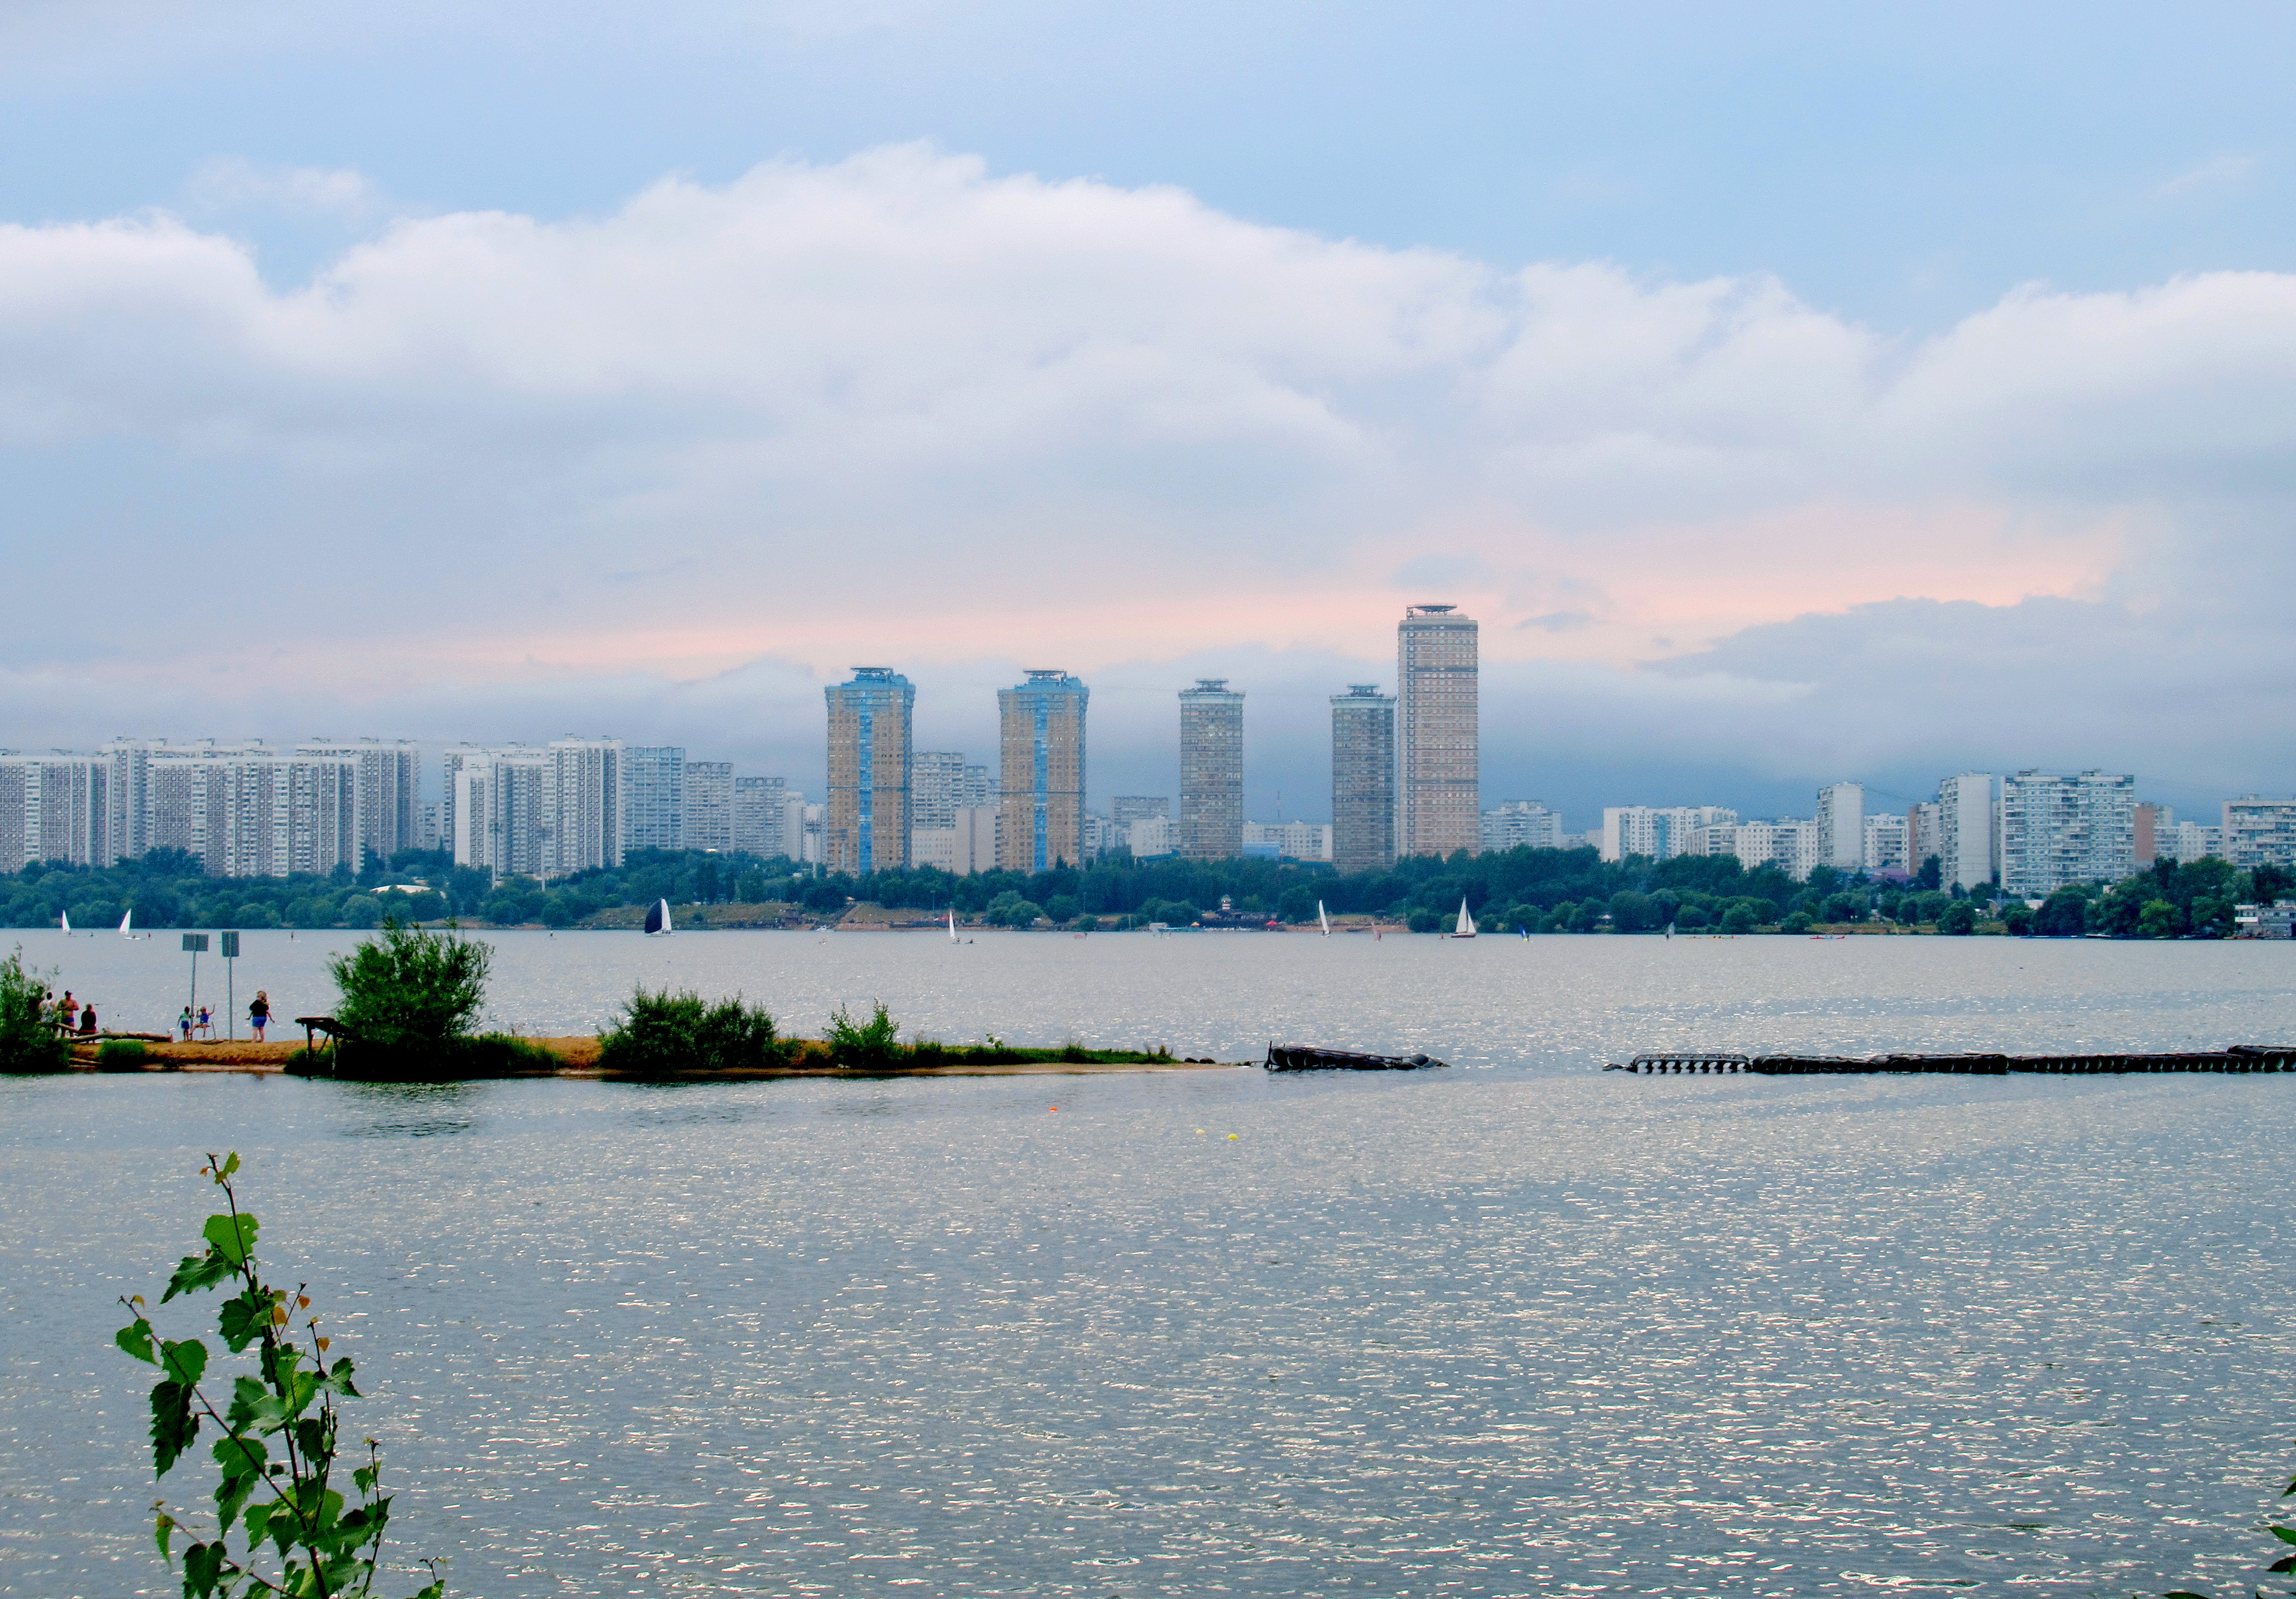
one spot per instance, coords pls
(230, 991)
(192, 943)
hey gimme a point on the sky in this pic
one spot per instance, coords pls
(1793, 393)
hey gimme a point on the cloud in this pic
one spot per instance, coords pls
(900, 409)
(2224, 174)
(222, 183)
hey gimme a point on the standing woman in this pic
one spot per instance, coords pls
(258, 1013)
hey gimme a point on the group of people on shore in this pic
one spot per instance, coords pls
(76, 1019)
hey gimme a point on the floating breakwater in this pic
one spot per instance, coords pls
(2238, 1058)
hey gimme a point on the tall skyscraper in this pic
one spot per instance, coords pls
(586, 806)
(865, 826)
(1969, 846)
(653, 797)
(390, 777)
(1040, 788)
(1842, 826)
(1438, 737)
(1210, 822)
(1363, 779)
(709, 804)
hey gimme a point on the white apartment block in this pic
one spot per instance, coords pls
(653, 797)
(247, 810)
(390, 778)
(758, 806)
(1842, 825)
(1288, 840)
(2188, 841)
(1658, 832)
(2259, 832)
(968, 844)
(937, 787)
(1788, 844)
(1885, 842)
(537, 811)
(1969, 838)
(709, 804)
(1924, 836)
(1152, 836)
(55, 807)
(2058, 830)
(1518, 824)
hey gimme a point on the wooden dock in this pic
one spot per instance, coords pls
(2239, 1058)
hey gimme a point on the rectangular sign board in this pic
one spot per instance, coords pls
(230, 946)
(193, 943)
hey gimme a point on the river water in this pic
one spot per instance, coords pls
(1520, 1327)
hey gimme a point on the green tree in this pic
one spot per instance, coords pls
(2063, 914)
(1739, 919)
(411, 990)
(2017, 917)
(1957, 920)
(29, 1040)
(2159, 920)
(680, 1032)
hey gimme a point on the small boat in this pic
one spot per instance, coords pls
(67, 920)
(658, 919)
(1466, 928)
(127, 928)
(952, 924)
(1326, 920)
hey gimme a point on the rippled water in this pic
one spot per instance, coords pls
(1519, 1328)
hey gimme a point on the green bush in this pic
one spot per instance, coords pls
(410, 991)
(1739, 919)
(1959, 920)
(862, 1043)
(122, 1054)
(1799, 923)
(681, 1032)
(28, 1043)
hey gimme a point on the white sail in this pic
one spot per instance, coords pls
(126, 929)
(952, 924)
(1321, 917)
(67, 916)
(1466, 929)
(657, 921)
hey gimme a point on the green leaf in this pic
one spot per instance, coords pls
(203, 1568)
(2183, 1593)
(248, 1397)
(258, 1520)
(2285, 1563)
(196, 1271)
(231, 1165)
(242, 1460)
(2286, 1535)
(363, 1478)
(136, 1338)
(162, 1530)
(173, 1424)
(242, 1318)
(185, 1360)
(437, 1590)
(232, 1236)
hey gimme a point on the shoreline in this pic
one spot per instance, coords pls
(578, 1057)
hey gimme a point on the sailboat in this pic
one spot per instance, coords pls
(1326, 920)
(1466, 928)
(952, 924)
(127, 931)
(658, 919)
(67, 917)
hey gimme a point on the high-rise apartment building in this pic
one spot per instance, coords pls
(1885, 842)
(55, 808)
(1924, 836)
(1969, 840)
(390, 780)
(1842, 826)
(1210, 822)
(2057, 830)
(127, 790)
(1437, 738)
(497, 810)
(709, 804)
(586, 777)
(1661, 832)
(937, 787)
(653, 797)
(1363, 779)
(757, 816)
(2258, 832)
(866, 823)
(1520, 824)
(1041, 772)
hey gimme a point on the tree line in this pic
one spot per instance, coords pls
(1536, 891)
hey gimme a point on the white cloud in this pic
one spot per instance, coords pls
(233, 183)
(900, 408)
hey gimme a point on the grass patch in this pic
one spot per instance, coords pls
(122, 1054)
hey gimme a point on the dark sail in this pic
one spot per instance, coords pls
(657, 915)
